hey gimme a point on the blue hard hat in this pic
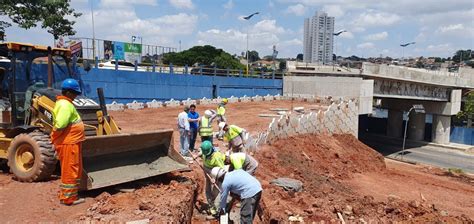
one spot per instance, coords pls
(71, 84)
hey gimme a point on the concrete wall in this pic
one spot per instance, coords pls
(337, 87)
(126, 86)
(462, 79)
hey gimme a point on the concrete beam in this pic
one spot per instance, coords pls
(431, 107)
(463, 79)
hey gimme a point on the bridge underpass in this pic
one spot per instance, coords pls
(396, 88)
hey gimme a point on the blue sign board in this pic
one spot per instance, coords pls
(119, 51)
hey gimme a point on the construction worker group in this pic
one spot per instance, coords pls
(227, 171)
(230, 171)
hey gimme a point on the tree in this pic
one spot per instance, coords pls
(299, 57)
(462, 55)
(468, 110)
(206, 55)
(282, 65)
(253, 56)
(53, 15)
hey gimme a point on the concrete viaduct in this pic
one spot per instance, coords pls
(396, 88)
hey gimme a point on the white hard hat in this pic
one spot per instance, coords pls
(217, 172)
(208, 113)
(222, 125)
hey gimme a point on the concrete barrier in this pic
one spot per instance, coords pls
(135, 105)
(172, 103)
(114, 106)
(154, 104)
(188, 102)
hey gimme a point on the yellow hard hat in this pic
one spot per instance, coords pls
(225, 100)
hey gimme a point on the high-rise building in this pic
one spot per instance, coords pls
(318, 40)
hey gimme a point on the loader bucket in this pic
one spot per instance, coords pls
(114, 159)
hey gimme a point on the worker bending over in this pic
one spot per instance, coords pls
(235, 135)
(221, 111)
(241, 160)
(205, 125)
(67, 137)
(211, 158)
(240, 183)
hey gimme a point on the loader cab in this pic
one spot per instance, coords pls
(24, 69)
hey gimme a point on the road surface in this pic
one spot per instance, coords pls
(422, 153)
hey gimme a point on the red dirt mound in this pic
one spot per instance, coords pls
(161, 200)
(322, 163)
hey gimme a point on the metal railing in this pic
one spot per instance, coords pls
(147, 50)
(180, 70)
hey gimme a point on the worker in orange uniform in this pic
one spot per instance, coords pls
(67, 137)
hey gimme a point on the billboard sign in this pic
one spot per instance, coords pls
(133, 52)
(119, 51)
(76, 49)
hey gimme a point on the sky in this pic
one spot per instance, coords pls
(374, 27)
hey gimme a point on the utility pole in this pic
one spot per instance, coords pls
(93, 30)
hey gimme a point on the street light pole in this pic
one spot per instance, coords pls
(93, 30)
(247, 52)
(418, 109)
(335, 46)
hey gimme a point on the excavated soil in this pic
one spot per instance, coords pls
(340, 174)
(329, 167)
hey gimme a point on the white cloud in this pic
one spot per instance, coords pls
(440, 48)
(366, 45)
(334, 10)
(370, 19)
(262, 36)
(377, 36)
(346, 35)
(182, 4)
(297, 9)
(126, 3)
(228, 5)
(268, 26)
(120, 24)
(451, 28)
(292, 42)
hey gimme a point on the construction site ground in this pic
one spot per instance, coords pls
(342, 179)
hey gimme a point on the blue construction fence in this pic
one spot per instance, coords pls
(462, 135)
(126, 86)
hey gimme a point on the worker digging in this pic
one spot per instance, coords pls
(67, 137)
(242, 184)
(234, 135)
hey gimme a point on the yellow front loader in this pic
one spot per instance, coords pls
(27, 98)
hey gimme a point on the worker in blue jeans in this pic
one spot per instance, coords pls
(193, 118)
(184, 132)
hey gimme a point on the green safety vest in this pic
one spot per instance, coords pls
(233, 132)
(64, 114)
(221, 109)
(237, 160)
(215, 160)
(206, 127)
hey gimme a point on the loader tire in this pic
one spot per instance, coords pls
(31, 157)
